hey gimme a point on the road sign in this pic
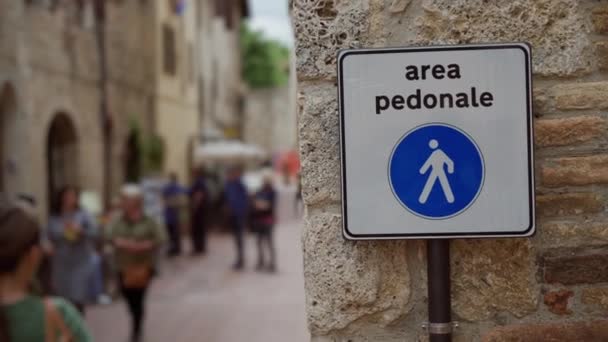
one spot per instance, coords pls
(436, 142)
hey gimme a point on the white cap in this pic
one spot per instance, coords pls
(131, 191)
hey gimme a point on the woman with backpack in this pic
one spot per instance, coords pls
(23, 316)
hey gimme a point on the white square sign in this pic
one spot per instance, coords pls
(436, 142)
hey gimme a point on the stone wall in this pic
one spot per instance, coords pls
(551, 286)
(269, 120)
(177, 95)
(49, 57)
(222, 89)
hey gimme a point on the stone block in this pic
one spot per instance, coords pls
(568, 131)
(319, 128)
(322, 28)
(596, 296)
(575, 171)
(398, 6)
(567, 204)
(347, 282)
(490, 276)
(599, 18)
(540, 101)
(576, 96)
(572, 267)
(595, 331)
(601, 51)
(556, 29)
(558, 301)
(572, 234)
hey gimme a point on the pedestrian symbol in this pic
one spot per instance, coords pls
(436, 171)
(435, 163)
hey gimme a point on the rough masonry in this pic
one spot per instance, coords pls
(553, 285)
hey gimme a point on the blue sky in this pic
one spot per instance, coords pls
(271, 17)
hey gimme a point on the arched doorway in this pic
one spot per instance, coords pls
(62, 154)
(9, 136)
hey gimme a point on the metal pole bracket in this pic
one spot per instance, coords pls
(440, 328)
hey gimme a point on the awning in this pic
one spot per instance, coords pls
(228, 151)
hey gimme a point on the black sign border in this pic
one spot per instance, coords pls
(529, 231)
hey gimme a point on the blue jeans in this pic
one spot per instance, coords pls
(96, 282)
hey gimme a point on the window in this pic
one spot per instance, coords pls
(169, 53)
(224, 8)
(176, 6)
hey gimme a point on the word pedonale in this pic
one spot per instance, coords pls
(418, 100)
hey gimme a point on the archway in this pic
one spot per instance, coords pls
(62, 154)
(8, 139)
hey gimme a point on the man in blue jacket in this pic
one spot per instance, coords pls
(237, 201)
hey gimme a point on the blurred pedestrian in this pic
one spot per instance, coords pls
(237, 201)
(136, 238)
(173, 194)
(23, 316)
(199, 206)
(42, 283)
(263, 221)
(72, 234)
(299, 202)
(109, 218)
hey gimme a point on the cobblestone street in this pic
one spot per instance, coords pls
(202, 299)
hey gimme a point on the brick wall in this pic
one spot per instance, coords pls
(551, 287)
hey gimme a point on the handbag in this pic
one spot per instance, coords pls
(55, 328)
(136, 276)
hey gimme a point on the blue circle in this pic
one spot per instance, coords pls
(419, 171)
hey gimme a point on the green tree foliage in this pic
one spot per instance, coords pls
(133, 162)
(265, 61)
(146, 152)
(154, 152)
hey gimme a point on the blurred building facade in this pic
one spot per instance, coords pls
(173, 71)
(50, 84)
(270, 116)
(177, 86)
(269, 120)
(172, 68)
(222, 90)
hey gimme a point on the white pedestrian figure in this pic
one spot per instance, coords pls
(436, 163)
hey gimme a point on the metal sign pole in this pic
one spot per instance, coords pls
(438, 273)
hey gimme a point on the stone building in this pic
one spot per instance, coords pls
(50, 103)
(270, 119)
(549, 287)
(230, 109)
(177, 119)
(221, 86)
(168, 81)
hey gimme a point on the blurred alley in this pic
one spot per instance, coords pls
(202, 299)
(142, 144)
